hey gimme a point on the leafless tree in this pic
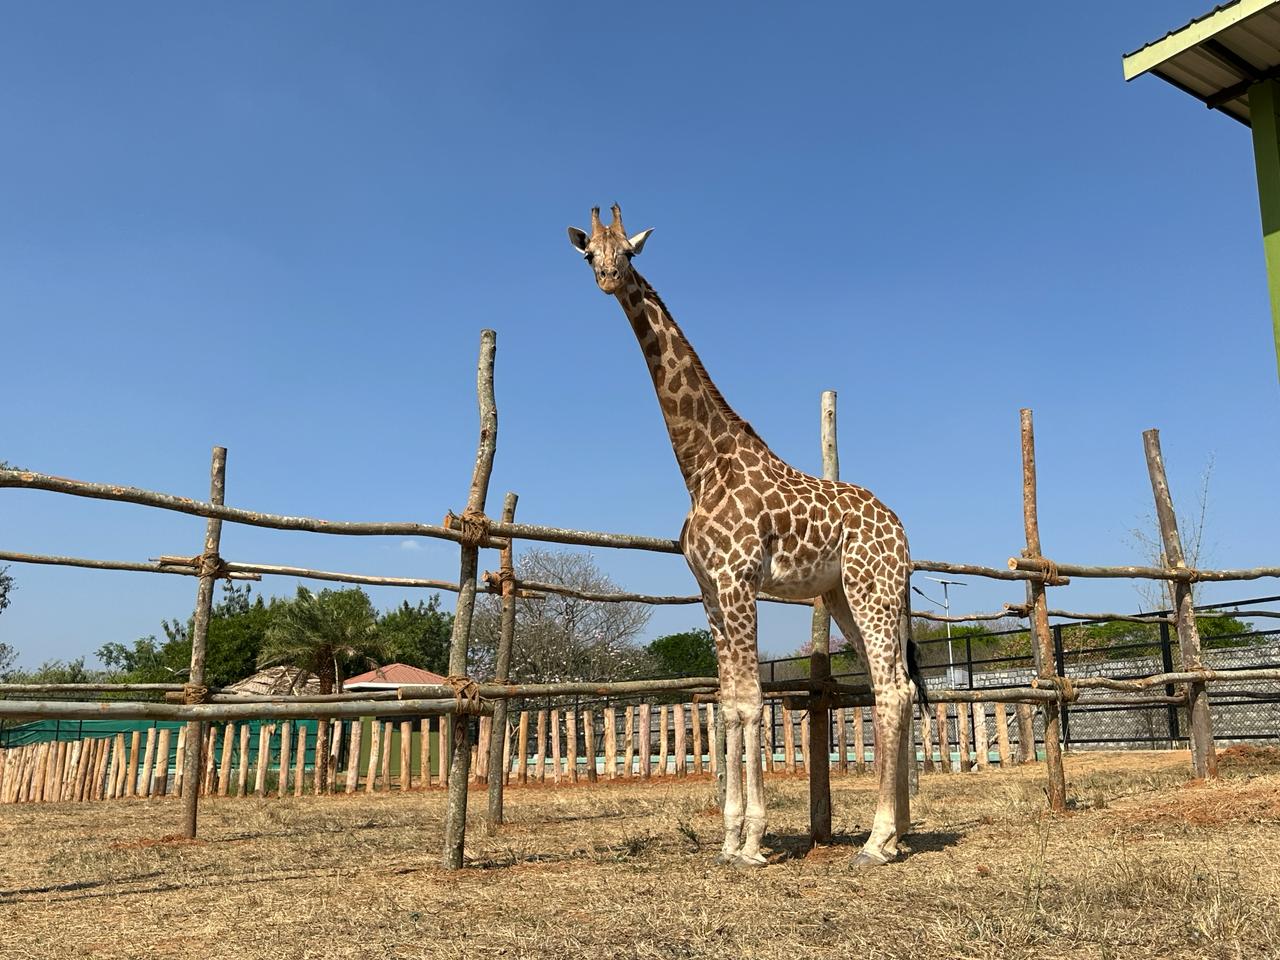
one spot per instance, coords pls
(564, 638)
(1157, 595)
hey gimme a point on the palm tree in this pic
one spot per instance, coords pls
(322, 633)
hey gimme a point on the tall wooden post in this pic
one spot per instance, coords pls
(1204, 757)
(502, 671)
(455, 825)
(209, 564)
(1043, 645)
(820, 663)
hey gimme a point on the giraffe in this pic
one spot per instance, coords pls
(755, 525)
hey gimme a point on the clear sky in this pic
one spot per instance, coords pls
(281, 227)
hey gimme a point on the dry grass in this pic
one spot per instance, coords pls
(1147, 865)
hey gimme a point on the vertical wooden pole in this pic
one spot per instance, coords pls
(335, 746)
(210, 743)
(859, 741)
(817, 731)
(424, 750)
(540, 752)
(663, 734)
(766, 736)
(522, 749)
(944, 740)
(300, 763)
(148, 763)
(243, 781)
(209, 569)
(842, 742)
(179, 761)
(788, 742)
(406, 755)
(1026, 733)
(455, 826)
(610, 743)
(502, 669)
(571, 744)
(555, 746)
(696, 716)
(677, 719)
(645, 747)
(926, 740)
(264, 757)
(806, 746)
(286, 754)
(1043, 645)
(113, 772)
(375, 756)
(589, 743)
(1002, 735)
(723, 766)
(1204, 757)
(162, 762)
(963, 737)
(387, 729)
(628, 741)
(135, 754)
(981, 743)
(228, 751)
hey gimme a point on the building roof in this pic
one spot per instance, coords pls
(278, 682)
(1216, 58)
(391, 676)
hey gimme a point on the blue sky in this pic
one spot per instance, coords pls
(280, 228)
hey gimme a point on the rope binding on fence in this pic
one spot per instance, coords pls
(195, 693)
(1062, 686)
(472, 525)
(466, 691)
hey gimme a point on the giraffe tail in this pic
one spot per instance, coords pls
(913, 653)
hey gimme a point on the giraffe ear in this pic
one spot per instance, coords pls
(578, 238)
(637, 242)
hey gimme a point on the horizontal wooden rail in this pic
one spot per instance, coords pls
(131, 710)
(112, 565)
(1040, 565)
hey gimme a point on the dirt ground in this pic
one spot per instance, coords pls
(1147, 864)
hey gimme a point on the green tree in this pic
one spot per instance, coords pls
(8, 657)
(418, 634)
(688, 654)
(323, 634)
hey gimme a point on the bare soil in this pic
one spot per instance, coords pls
(1147, 864)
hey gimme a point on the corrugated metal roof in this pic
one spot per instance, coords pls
(1217, 57)
(391, 676)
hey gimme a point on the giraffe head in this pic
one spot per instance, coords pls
(608, 249)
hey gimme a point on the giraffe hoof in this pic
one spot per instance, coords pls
(753, 862)
(726, 859)
(865, 861)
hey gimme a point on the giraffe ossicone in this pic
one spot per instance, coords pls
(756, 524)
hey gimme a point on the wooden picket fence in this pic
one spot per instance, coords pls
(560, 745)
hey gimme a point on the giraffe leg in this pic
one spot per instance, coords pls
(731, 613)
(876, 618)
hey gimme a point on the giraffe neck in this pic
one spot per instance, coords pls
(700, 422)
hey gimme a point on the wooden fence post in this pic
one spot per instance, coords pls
(135, 755)
(766, 723)
(842, 742)
(663, 734)
(788, 742)
(589, 742)
(1026, 733)
(502, 670)
(387, 728)
(628, 741)
(1043, 646)
(210, 567)
(964, 737)
(179, 761)
(522, 749)
(981, 743)
(162, 762)
(944, 740)
(677, 718)
(646, 740)
(228, 749)
(406, 755)
(242, 783)
(375, 756)
(455, 826)
(148, 765)
(300, 763)
(1204, 756)
(555, 746)
(424, 750)
(540, 753)
(571, 744)
(1002, 735)
(286, 754)
(816, 733)
(806, 757)
(926, 740)
(696, 716)
(112, 773)
(610, 743)
(264, 756)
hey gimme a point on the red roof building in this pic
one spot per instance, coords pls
(392, 676)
